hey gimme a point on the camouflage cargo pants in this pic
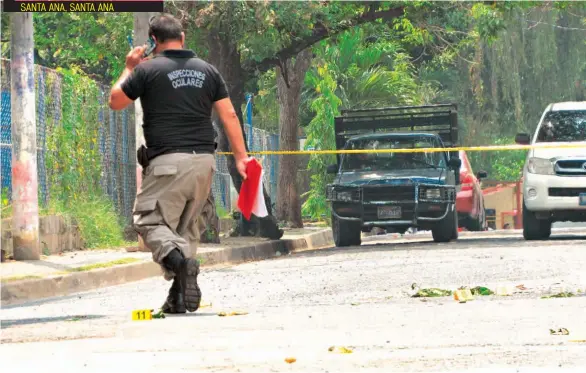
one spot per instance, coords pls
(173, 193)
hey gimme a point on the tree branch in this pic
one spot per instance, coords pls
(320, 32)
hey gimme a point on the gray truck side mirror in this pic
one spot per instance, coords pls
(523, 139)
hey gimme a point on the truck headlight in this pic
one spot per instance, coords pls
(434, 193)
(344, 196)
(540, 166)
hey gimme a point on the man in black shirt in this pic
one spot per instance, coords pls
(177, 92)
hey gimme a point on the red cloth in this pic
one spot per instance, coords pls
(249, 189)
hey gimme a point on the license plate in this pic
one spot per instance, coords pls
(389, 212)
(582, 199)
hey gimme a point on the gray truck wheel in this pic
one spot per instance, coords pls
(346, 233)
(533, 228)
(447, 229)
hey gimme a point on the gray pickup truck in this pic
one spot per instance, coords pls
(399, 187)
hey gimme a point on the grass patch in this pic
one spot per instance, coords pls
(222, 212)
(112, 263)
(98, 222)
(20, 278)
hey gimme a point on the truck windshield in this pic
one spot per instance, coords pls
(563, 126)
(378, 161)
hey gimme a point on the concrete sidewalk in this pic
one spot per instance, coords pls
(77, 271)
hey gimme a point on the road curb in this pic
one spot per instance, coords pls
(17, 292)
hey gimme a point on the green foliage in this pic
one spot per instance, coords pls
(96, 43)
(356, 72)
(504, 165)
(266, 107)
(99, 223)
(73, 160)
(73, 152)
(320, 135)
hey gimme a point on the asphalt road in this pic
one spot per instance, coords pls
(300, 305)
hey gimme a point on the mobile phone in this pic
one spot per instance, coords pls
(150, 47)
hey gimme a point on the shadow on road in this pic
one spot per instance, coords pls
(40, 302)
(423, 244)
(42, 320)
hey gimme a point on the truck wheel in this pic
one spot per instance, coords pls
(455, 232)
(446, 229)
(533, 228)
(346, 233)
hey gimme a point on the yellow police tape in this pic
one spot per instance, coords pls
(419, 150)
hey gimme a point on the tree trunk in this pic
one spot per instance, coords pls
(290, 78)
(225, 56)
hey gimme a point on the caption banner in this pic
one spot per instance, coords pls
(43, 6)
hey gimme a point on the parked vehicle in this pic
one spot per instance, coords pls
(470, 200)
(395, 190)
(554, 179)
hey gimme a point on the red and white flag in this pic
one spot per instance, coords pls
(251, 199)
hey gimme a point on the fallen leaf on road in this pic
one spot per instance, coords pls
(481, 290)
(233, 313)
(290, 360)
(561, 331)
(521, 287)
(504, 290)
(432, 292)
(340, 350)
(463, 295)
(559, 295)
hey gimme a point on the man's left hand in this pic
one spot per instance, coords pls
(134, 57)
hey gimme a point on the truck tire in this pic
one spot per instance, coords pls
(346, 233)
(455, 231)
(533, 228)
(447, 229)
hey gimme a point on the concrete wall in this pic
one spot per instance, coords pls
(56, 234)
(503, 200)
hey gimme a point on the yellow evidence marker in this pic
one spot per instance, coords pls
(139, 315)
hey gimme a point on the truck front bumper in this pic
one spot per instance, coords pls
(409, 208)
(552, 192)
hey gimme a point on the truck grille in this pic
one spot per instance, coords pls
(565, 192)
(571, 167)
(388, 193)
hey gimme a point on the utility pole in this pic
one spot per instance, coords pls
(25, 219)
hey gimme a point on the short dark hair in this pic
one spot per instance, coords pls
(165, 27)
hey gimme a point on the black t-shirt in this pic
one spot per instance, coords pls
(177, 91)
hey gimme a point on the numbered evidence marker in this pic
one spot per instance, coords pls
(139, 315)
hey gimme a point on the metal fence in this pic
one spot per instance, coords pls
(113, 133)
(86, 118)
(258, 140)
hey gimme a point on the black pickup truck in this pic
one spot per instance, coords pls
(399, 187)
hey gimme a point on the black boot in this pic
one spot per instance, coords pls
(188, 294)
(173, 304)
